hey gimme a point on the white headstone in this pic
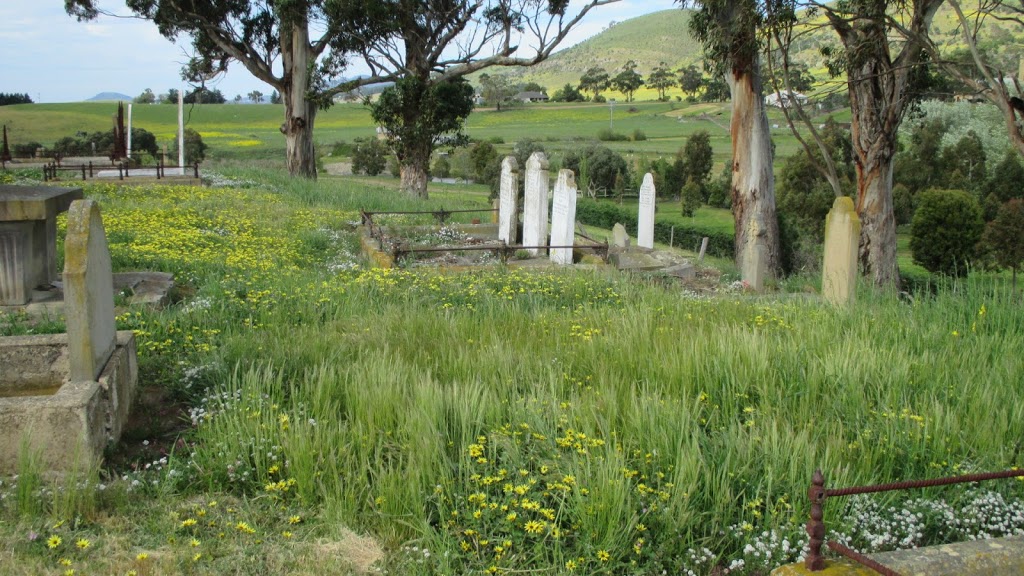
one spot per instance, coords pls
(88, 292)
(535, 203)
(645, 219)
(563, 217)
(507, 207)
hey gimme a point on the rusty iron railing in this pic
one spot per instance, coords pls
(441, 215)
(504, 251)
(817, 493)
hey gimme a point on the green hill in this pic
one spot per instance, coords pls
(665, 37)
(647, 40)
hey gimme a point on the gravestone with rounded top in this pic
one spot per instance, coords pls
(842, 237)
(563, 217)
(508, 207)
(535, 203)
(88, 292)
(645, 218)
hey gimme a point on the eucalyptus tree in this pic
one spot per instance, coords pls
(883, 75)
(979, 74)
(728, 31)
(301, 47)
(595, 80)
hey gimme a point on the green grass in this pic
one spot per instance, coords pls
(620, 420)
(251, 132)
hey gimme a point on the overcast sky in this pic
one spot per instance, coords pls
(52, 57)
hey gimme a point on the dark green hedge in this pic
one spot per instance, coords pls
(605, 214)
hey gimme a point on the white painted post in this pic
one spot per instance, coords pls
(181, 130)
(129, 135)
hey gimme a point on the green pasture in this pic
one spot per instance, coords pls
(236, 131)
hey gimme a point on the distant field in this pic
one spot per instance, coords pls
(251, 131)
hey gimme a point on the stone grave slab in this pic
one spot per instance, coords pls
(842, 239)
(535, 203)
(508, 206)
(88, 292)
(645, 217)
(563, 217)
(620, 238)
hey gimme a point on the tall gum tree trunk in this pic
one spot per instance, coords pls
(299, 112)
(878, 222)
(415, 161)
(414, 174)
(873, 135)
(753, 183)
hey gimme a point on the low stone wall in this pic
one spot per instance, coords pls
(998, 556)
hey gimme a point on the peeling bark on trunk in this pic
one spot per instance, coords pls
(414, 180)
(876, 102)
(880, 91)
(877, 219)
(299, 112)
(753, 183)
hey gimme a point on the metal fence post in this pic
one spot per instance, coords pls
(816, 526)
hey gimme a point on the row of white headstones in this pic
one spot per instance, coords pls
(842, 228)
(563, 209)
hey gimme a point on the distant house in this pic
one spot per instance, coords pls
(784, 99)
(531, 97)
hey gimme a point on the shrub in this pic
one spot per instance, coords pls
(369, 156)
(342, 148)
(720, 189)
(691, 198)
(442, 168)
(195, 148)
(595, 166)
(945, 231)
(902, 204)
(639, 135)
(25, 150)
(605, 214)
(607, 135)
(1003, 238)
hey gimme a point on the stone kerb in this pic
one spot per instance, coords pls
(88, 292)
(563, 217)
(508, 207)
(842, 237)
(535, 203)
(645, 218)
(973, 558)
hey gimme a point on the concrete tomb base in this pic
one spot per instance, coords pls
(62, 423)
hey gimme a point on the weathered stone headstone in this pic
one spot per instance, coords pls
(620, 238)
(645, 219)
(88, 292)
(508, 208)
(535, 203)
(563, 217)
(842, 236)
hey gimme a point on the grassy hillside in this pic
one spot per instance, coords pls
(647, 40)
(664, 37)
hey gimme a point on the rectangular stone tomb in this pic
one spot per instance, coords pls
(28, 238)
(62, 422)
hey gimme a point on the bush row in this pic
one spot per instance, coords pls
(607, 214)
